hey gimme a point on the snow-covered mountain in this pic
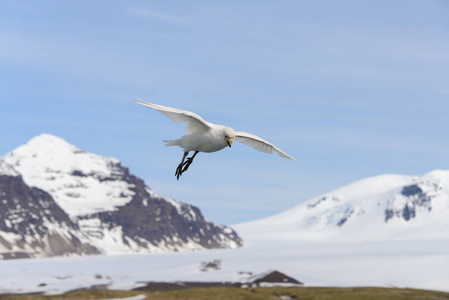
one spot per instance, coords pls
(385, 231)
(386, 207)
(104, 205)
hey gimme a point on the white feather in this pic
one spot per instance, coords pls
(259, 144)
(193, 121)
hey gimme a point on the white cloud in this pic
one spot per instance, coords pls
(156, 15)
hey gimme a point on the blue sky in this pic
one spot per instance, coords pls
(350, 88)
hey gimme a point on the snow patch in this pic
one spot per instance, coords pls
(6, 169)
(80, 182)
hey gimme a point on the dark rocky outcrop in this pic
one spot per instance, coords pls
(416, 199)
(39, 226)
(152, 218)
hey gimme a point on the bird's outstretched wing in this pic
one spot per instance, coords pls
(259, 144)
(193, 121)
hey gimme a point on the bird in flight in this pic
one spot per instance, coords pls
(203, 136)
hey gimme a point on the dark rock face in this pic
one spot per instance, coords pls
(213, 265)
(31, 214)
(22, 206)
(415, 199)
(348, 213)
(322, 200)
(154, 219)
(411, 190)
(408, 212)
(389, 214)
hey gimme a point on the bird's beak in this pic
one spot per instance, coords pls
(229, 142)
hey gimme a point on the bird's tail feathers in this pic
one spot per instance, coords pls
(171, 142)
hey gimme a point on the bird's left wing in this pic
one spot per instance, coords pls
(259, 144)
(193, 121)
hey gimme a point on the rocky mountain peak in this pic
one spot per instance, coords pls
(47, 153)
(80, 182)
(107, 205)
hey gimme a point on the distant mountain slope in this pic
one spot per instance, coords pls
(113, 209)
(33, 225)
(384, 207)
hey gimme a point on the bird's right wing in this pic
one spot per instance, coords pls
(193, 121)
(259, 144)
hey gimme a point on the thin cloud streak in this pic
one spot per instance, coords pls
(156, 15)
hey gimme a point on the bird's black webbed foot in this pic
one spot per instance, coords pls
(178, 171)
(187, 164)
(184, 165)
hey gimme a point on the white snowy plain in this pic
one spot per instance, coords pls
(411, 264)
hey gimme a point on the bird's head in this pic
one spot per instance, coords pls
(229, 135)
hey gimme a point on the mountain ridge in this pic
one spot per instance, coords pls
(380, 207)
(110, 208)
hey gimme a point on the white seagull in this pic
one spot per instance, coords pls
(207, 137)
